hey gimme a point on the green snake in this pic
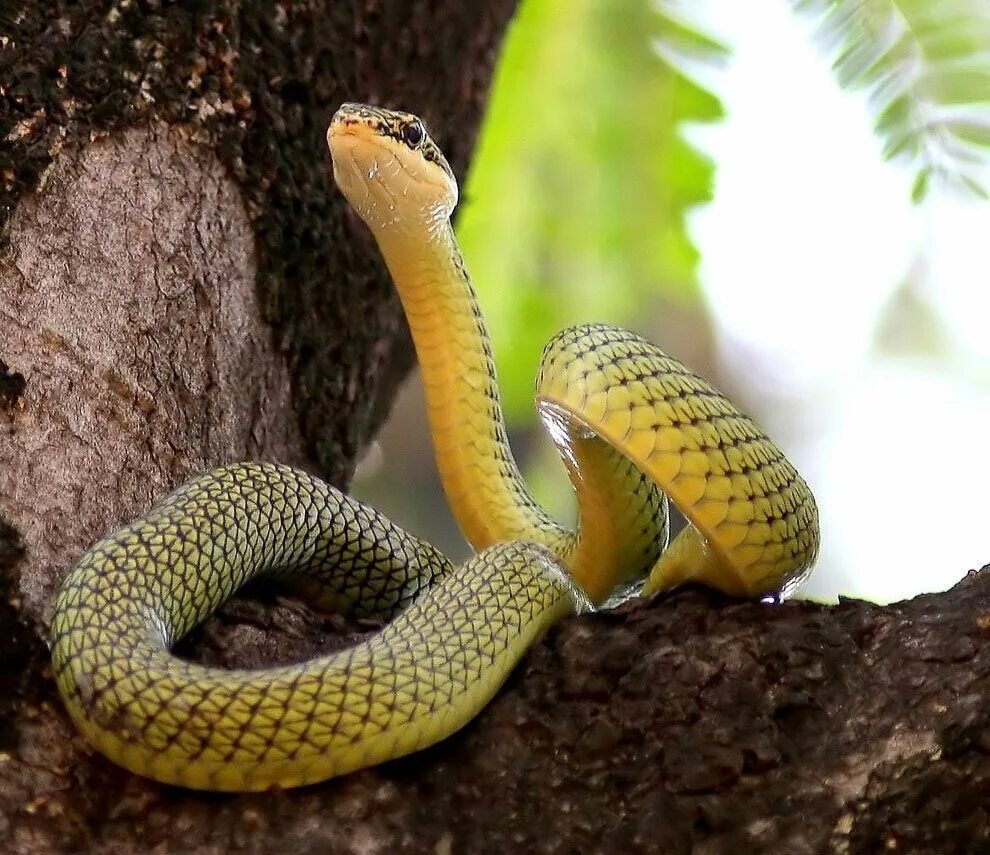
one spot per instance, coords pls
(633, 426)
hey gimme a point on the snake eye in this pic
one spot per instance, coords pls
(413, 133)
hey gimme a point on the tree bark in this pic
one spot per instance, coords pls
(180, 286)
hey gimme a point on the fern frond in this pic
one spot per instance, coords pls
(925, 66)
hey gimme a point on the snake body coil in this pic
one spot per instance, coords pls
(632, 425)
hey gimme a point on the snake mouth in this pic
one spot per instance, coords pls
(350, 137)
(343, 127)
(355, 126)
(357, 152)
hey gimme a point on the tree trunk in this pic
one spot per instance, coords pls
(181, 286)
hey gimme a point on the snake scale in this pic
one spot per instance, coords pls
(633, 426)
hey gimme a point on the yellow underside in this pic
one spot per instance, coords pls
(627, 419)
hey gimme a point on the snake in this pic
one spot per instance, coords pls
(635, 429)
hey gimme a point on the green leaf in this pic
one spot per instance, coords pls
(925, 65)
(581, 180)
(920, 186)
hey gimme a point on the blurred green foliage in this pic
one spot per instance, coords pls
(575, 209)
(925, 65)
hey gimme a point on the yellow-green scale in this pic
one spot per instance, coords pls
(626, 418)
(424, 676)
(622, 519)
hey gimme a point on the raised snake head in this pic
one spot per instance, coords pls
(390, 169)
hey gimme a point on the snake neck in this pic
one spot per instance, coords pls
(484, 487)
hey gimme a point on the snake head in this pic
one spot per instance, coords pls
(390, 169)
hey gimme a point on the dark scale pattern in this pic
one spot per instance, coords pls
(627, 419)
(746, 500)
(622, 515)
(425, 675)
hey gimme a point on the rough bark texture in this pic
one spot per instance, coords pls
(146, 239)
(173, 299)
(180, 286)
(685, 725)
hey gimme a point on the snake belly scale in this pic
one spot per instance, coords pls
(633, 426)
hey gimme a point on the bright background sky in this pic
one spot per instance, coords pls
(888, 362)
